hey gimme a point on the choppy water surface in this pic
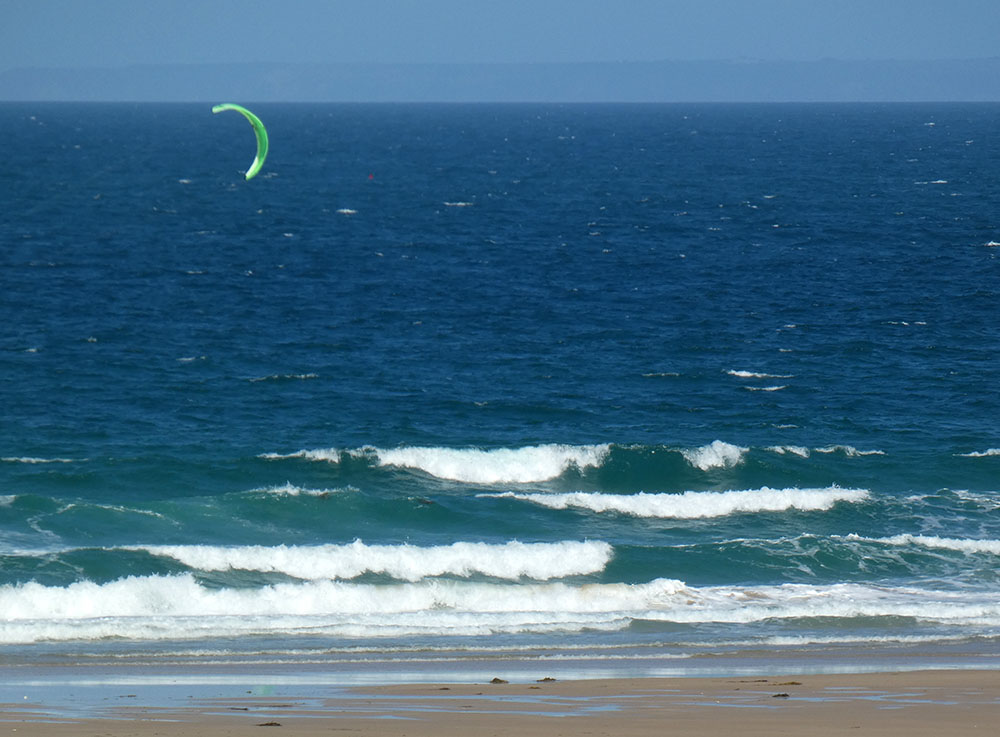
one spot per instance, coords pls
(604, 382)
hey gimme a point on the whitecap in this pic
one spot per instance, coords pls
(696, 504)
(289, 489)
(330, 455)
(793, 449)
(158, 607)
(849, 451)
(757, 375)
(941, 543)
(512, 560)
(283, 377)
(499, 465)
(716, 454)
(178, 607)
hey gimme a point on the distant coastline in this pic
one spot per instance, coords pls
(828, 80)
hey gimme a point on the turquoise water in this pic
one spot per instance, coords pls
(446, 382)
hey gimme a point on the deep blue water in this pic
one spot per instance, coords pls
(464, 379)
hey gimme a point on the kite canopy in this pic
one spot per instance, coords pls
(259, 131)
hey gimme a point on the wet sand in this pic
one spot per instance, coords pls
(952, 702)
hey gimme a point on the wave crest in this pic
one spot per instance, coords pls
(981, 453)
(716, 454)
(161, 607)
(512, 560)
(961, 545)
(697, 504)
(501, 465)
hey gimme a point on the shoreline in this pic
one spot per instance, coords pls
(215, 702)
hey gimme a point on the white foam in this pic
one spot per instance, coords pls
(850, 451)
(289, 489)
(282, 377)
(793, 449)
(512, 560)
(847, 450)
(696, 504)
(840, 601)
(329, 455)
(961, 545)
(501, 465)
(158, 607)
(775, 388)
(117, 509)
(757, 375)
(472, 465)
(985, 500)
(981, 453)
(716, 454)
(812, 639)
(178, 607)
(33, 460)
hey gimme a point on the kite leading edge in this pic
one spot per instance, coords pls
(259, 131)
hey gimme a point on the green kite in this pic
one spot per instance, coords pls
(259, 131)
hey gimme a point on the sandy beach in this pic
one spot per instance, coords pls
(952, 702)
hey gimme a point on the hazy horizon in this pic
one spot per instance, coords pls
(441, 49)
(665, 81)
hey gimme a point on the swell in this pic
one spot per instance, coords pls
(614, 466)
(415, 470)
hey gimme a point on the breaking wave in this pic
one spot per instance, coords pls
(697, 504)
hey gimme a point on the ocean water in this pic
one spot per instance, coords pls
(581, 383)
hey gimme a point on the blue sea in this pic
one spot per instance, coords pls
(639, 388)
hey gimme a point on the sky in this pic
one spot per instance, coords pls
(115, 33)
